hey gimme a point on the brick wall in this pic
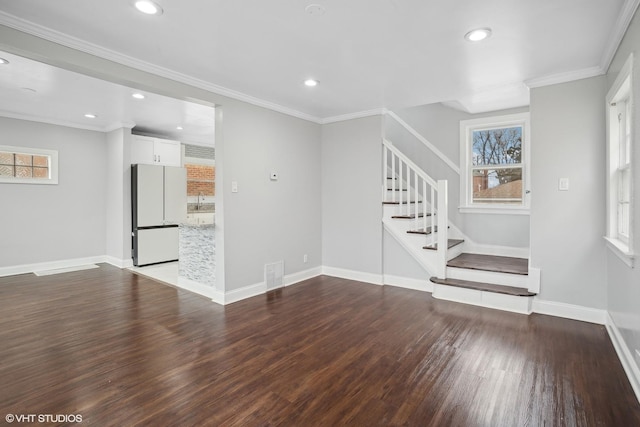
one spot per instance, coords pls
(201, 179)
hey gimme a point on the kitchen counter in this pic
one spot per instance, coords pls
(197, 253)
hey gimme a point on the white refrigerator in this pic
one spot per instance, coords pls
(159, 205)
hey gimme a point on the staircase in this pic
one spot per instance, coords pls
(415, 210)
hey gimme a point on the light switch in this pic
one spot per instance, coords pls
(563, 184)
(274, 176)
(234, 186)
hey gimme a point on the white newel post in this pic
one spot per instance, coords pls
(443, 224)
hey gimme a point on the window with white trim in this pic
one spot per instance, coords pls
(20, 165)
(494, 160)
(619, 162)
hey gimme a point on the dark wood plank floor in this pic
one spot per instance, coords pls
(120, 350)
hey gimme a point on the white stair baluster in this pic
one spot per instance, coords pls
(408, 185)
(416, 202)
(399, 184)
(393, 174)
(385, 181)
(433, 214)
(424, 204)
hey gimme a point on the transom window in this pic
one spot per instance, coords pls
(493, 162)
(22, 165)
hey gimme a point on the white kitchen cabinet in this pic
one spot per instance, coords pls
(155, 151)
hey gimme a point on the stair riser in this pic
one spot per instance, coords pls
(515, 304)
(505, 279)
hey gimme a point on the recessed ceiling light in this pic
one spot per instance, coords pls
(179, 127)
(478, 34)
(138, 96)
(311, 82)
(90, 116)
(3, 61)
(315, 9)
(148, 7)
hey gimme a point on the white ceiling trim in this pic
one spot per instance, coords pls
(615, 38)
(351, 116)
(119, 125)
(619, 30)
(50, 121)
(565, 77)
(108, 54)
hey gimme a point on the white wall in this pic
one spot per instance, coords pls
(118, 197)
(440, 125)
(265, 221)
(268, 221)
(568, 130)
(624, 282)
(351, 195)
(46, 223)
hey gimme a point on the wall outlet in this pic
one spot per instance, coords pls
(305, 259)
(234, 186)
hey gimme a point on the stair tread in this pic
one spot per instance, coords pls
(424, 230)
(499, 264)
(451, 243)
(410, 216)
(489, 287)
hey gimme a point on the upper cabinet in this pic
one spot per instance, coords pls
(155, 151)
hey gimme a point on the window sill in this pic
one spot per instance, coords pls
(621, 251)
(494, 210)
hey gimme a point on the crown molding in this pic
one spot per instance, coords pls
(356, 115)
(54, 36)
(568, 76)
(118, 125)
(619, 30)
(49, 120)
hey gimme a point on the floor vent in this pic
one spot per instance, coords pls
(274, 275)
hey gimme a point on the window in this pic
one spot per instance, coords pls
(21, 165)
(619, 164)
(494, 156)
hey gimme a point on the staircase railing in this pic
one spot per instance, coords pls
(418, 196)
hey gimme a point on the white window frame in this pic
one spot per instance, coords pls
(53, 165)
(620, 112)
(467, 127)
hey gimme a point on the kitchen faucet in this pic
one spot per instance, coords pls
(199, 204)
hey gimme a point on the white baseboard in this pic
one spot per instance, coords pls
(261, 287)
(117, 262)
(200, 289)
(245, 292)
(570, 311)
(301, 276)
(375, 279)
(625, 355)
(408, 283)
(51, 265)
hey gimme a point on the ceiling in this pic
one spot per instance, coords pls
(35, 91)
(367, 54)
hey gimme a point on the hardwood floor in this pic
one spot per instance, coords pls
(121, 349)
